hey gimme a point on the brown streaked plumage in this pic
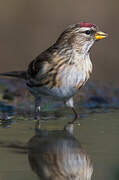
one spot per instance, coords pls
(61, 70)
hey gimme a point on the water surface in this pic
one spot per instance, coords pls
(98, 133)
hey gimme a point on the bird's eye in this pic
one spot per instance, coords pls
(87, 32)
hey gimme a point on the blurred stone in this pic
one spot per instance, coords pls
(96, 102)
(8, 95)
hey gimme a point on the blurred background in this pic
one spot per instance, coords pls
(28, 27)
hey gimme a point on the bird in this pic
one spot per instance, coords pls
(58, 155)
(60, 71)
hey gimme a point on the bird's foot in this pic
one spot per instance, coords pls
(37, 116)
(75, 122)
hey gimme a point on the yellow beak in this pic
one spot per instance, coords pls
(100, 35)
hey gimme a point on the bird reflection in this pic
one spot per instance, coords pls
(57, 155)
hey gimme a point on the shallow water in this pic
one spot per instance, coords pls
(98, 133)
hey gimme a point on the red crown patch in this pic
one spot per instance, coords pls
(85, 24)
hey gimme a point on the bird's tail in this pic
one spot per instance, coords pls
(17, 74)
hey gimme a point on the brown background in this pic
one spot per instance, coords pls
(28, 27)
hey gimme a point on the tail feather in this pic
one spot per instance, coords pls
(17, 74)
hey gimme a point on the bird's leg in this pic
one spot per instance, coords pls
(37, 111)
(76, 115)
(70, 104)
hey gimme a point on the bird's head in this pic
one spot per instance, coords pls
(81, 36)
